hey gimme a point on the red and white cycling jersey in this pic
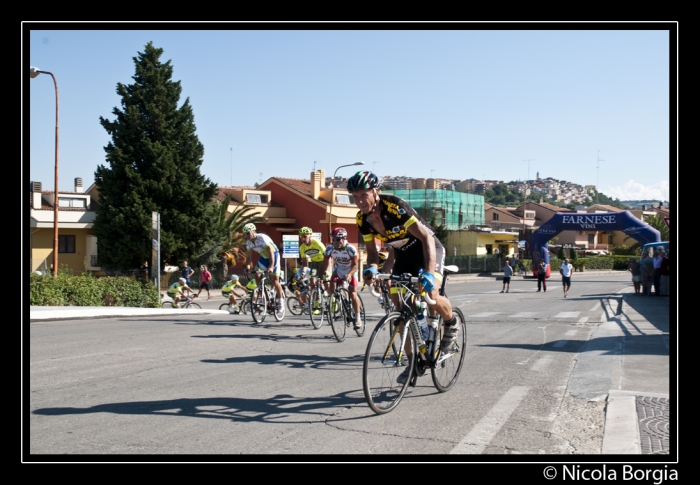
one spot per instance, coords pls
(343, 258)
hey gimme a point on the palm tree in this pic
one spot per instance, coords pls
(657, 222)
(228, 243)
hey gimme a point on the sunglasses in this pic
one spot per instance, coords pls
(338, 239)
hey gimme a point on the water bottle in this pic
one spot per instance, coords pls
(423, 324)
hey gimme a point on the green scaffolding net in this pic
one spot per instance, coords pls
(454, 210)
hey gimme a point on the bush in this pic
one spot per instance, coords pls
(67, 290)
(624, 251)
(573, 254)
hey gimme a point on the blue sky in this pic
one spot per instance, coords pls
(471, 101)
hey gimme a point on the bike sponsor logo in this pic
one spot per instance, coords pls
(396, 229)
(547, 230)
(589, 221)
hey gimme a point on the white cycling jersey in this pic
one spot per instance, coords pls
(343, 258)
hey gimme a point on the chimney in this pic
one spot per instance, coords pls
(35, 188)
(540, 200)
(317, 180)
(78, 185)
(644, 207)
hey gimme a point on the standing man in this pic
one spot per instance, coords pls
(665, 272)
(415, 247)
(269, 260)
(656, 274)
(507, 272)
(187, 273)
(541, 275)
(636, 270)
(566, 269)
(647, 265)
(204, 281)
(345, 266)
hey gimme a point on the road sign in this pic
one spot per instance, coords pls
(290, 246)
(666, 221)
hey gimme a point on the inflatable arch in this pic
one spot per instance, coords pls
(577, 221)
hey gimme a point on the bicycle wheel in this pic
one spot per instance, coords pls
(318, 308)
(168, 304)
(245, 306)
(446, 371)
(383, 365)
(338, 320)
(361, 331)
(294, 306)
(193, 305)
(224, 306)
(258, 305)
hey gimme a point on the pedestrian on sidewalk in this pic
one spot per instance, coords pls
(204, 282)
(507, 272)
(656, 274)
(566, 269)
(636, 270)
(187, 273)
(665, 272)
(542, 276)
(647, 266)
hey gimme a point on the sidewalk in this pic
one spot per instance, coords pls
(633, 346)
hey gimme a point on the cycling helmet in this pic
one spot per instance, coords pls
(249, 227)
(182, 280)
(305, 231)
(339, 232)
(362, 180)
(234, 277)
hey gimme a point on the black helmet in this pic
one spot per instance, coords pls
(362, 180)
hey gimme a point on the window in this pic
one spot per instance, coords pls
(495, 216)
(256, 198)
(68, 202)
(66, 244)
(344, 199)
(489, 249)
(529, 214)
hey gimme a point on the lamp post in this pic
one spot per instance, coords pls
(34, 72)
(330, 208)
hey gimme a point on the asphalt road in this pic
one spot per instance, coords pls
(219, 387)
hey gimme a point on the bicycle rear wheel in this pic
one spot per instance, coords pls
(361, 331)
(294, 306)
(258, 304)
(318, 307)
(193, 305)
(338, 320)
(446, 371)
(168, 304)
(383, 365)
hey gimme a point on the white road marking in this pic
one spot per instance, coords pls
(571, 333)
(567, 314)
(484, 431)
(485, 314)
(595, 307)
(523, 315)
(543, 362)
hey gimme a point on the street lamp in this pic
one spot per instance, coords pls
(34, 72)
(330, 208)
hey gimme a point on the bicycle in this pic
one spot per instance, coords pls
(342, 314)
(186, 303)
(319, 304)
(244, 303)
(263, 300)
(383, 293)
(386, 357)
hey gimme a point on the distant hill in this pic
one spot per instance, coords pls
(637, 204)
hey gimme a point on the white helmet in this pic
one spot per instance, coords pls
(234, 277)
(182, 280)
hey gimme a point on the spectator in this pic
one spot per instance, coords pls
(647, 265)
(513, 261)
(656, 274)
(204, 282)
(542, 276)
(187, 273)
(566, 269)
(636, 270)
(665, 272)
(507, 272)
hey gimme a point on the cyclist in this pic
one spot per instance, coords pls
(345, 266)
(415, 248)
(177, 290)
(227, 291)
(310, 249)
(269, 260)
(300, 286)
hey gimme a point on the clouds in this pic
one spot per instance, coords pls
(635, 191)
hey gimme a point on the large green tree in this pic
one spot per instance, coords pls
(154, 165)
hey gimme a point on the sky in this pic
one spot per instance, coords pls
(593, 104)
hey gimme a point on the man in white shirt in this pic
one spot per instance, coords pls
(566, 269)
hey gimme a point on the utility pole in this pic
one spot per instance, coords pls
(528, 160)
(597, 170)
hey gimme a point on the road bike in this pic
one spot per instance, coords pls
(382, 295)
(264, 300)
(186, 303)
(243, 303)
(295, 307)
(394, 346)
(342, 314)
(319, 302)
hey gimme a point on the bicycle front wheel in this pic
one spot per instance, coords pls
(448, 366)
(193, 305)
(361, 330)
(318, 308)
(278, 308)
(258, 305)
(294, 306)
(224, 306)
(337, 320)
(384, 363)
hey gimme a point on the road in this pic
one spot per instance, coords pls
(222, 385)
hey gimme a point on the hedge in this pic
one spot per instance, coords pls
(68, 290)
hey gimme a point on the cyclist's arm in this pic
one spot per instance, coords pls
(421, 232)
(274, 254)
(388, 262)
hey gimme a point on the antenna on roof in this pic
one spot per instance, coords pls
(231, 166)
(597, 169)
(260, 181)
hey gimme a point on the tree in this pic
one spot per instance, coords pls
(440, 231)
(658, 223)
(154, 165)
